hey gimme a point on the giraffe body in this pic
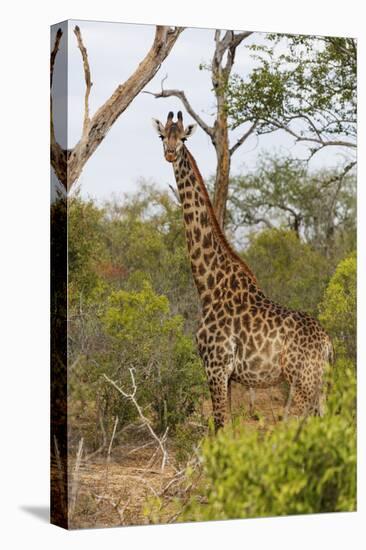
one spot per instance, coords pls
(242, 335)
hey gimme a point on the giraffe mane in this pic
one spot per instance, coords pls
(215, 224)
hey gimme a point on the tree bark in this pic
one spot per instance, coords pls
(68, 164)
(222, 169)
(221, 72)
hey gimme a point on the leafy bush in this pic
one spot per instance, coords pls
(85, 247)
(142, 334)
(338, 309)
(296, 468)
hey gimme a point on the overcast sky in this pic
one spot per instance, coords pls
(132, 149)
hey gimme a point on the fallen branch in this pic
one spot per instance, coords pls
(140, 447)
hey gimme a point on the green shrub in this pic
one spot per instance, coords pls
(338, 309)
(85, 248)
(144, 335)
(295, 468)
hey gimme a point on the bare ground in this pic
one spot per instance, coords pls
(122, 491)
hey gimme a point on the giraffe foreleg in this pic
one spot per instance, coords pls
(218, 384)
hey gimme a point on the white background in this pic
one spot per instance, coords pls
(25, 274)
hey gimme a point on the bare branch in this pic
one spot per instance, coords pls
(88, 81)
(321, 142)
(217, 36)
(243, 138)
(182, 96)
(112, 438)
(139, 448)
(175, 193)
(235, 41)
(222, 45)
(146, 422)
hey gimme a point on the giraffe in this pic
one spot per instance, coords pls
(242, 335)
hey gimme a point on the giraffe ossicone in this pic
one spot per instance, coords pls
(242, 336)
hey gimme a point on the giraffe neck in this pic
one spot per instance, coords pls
(210, 254)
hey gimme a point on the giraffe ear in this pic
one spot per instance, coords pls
(158, 126)
(190, 130)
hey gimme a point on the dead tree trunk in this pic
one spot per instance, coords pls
(221, 67)
(68, 164)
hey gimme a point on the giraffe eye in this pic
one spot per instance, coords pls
(161, 137)
(184, 139)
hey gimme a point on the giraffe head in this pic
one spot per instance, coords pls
(173, 135)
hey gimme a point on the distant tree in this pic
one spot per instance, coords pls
(68, 164)
(86, 249)
(318, 206)
(288, 270)
(309, 90)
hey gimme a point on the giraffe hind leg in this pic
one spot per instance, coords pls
(307, 396)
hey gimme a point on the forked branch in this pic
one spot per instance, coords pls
(132, 397)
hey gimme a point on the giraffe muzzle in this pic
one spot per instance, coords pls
(171, 156)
